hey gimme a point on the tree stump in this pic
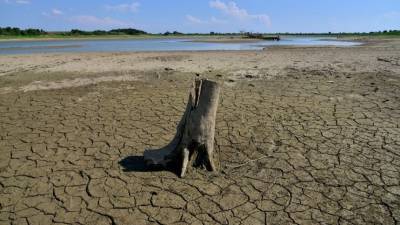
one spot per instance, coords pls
(193, 143)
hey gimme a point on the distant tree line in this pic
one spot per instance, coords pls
(14, 31)
(194, 34)
(385, 32)
(243, 33)
(172, 33)
(127, 31)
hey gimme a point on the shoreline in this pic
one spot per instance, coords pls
(206, 37)
(104, 38)
(179, 51)
(195, 38)
(192, 39)
(74, 61)
(261, 47)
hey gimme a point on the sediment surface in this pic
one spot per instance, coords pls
(303, 136)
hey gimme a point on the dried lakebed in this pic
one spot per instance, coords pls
(312, 140)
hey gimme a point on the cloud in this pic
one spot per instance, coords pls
(22, 2)
(195, 20)
(56, 12)
(213, 20)
(132, 7)
(53, 13)
(88, 20)
(233, 10)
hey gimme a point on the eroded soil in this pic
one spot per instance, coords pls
(307, 145)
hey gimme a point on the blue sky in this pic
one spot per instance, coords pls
(204, 15)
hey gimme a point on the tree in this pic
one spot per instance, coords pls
(193, 143)
(176, 33)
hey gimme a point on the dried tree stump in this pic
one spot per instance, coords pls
(193, 143)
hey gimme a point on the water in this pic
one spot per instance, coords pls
(126, 45)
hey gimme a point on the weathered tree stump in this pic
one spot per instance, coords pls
(193, 143)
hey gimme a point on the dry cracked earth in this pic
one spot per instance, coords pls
(306, 147)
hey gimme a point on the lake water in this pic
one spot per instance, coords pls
(131, 45)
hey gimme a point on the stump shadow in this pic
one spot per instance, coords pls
(137, 164)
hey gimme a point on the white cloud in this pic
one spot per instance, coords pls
(195, 20)
(98, 22)
(53, 13)
(232, 9)
(213, 20)
(132, 7)
(24, 2)
(56, 12)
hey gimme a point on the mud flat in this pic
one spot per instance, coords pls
(303, 136)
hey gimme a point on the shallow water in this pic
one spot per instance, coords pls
(128, 45)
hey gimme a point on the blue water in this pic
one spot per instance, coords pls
(126, 45)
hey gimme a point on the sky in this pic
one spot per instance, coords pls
(203, 16)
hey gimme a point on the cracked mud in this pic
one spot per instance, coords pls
(310, 144)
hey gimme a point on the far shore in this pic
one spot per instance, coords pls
(193, 38)
(112, 37)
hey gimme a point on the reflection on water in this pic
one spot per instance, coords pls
(26, 47)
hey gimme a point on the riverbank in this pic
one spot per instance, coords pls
(160, 44)
(114, 37)
(304, 135)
